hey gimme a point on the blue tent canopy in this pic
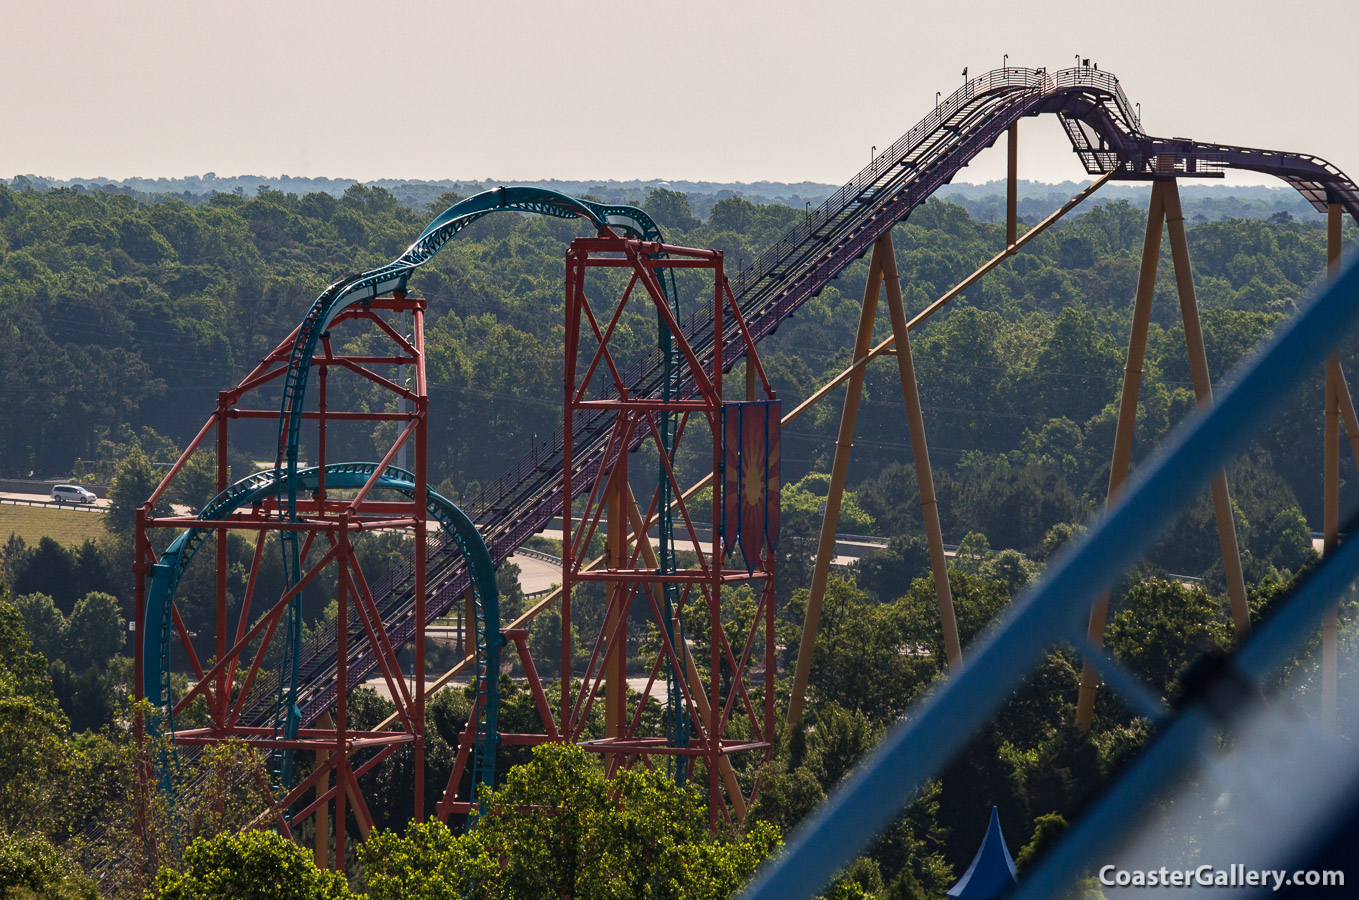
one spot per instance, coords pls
(992, 873)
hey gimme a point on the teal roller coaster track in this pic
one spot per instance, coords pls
(284, 482)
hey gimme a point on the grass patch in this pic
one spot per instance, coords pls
(65, 526)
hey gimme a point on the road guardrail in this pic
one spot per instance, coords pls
(54, 504)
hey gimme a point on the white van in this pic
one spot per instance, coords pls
(71, 493)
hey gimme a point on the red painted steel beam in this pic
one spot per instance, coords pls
(314, 416)
(623, 570)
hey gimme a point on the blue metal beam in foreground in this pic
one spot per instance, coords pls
(1190, 738)
(1056, 610)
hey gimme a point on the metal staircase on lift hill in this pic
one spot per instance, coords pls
(1106, 135)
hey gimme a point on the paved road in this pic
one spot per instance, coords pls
(536, 575)
(47, 498)
(847, 549)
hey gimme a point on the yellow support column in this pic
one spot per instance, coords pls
(1347, 414)
(1203, 390)
(1330, 531)
(1127, 421)
(1012, 194)
(924, 476)
(1335, 383)
(844, 442)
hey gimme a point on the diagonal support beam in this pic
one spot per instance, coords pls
(939, 303)
(1164, 211)
(1123, 435)
(1347, 411)
(924, 477)
(882, 271)
(844, 443)
(1203, 389)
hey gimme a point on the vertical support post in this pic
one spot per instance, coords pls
(1330, 628)
(575, 285)
(223, 698)
(322, 404)
(715, 635)
(402, 404)
(752, 381)
(924, 476)
(321, 841)
(1203, 389)
(615, 663)
(140, 551)
(770, 596)
(1012, 192)
(320, 850)
(342, 561)
(844, 443)
(1127, 420)
(421, 412)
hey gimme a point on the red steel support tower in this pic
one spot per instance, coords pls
(712, 707)
(337, 504)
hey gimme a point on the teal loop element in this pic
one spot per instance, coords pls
(627, 221)
(167, 573)
(365, 286)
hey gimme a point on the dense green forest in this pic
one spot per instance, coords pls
(122, 316)
(1202, 201)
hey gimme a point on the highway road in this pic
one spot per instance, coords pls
(46, 500)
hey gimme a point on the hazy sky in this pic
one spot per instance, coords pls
(727, 91)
